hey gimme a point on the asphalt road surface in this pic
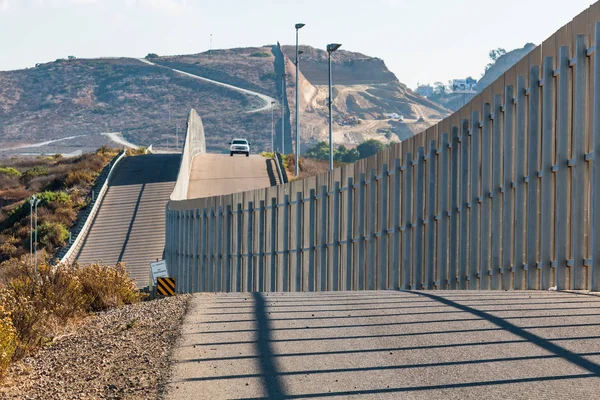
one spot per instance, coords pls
(130, 224)
(218, 174)
(389, 345)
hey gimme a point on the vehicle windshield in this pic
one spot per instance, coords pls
(239, 142)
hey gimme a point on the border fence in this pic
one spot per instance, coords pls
(503, 194)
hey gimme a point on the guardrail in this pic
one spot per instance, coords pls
(66, 254)
(283, 178)
(503, 194)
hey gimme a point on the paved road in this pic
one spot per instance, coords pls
(217, 174)
(389, 345)
(269, 102)
(130, 224)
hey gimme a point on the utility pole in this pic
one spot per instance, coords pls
(298, 27)
(177, 138)
(210, 46)
(283, 112)
(272, 127)
(330, 49)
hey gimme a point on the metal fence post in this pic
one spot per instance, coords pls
(299, 246)
(383, 218)
(520, 150)
(454, 186)
(312, 243)
(219, 252)
(397, 238)
(335, 246)
(443, 214)
(360, 270)
(250, 273)
(464, 200)
(547, 195)
(475, 238)
(562, 158)
(408, 223)
(273, 271)
(418, 220)
(495, 193)
(595, 275)
(349, 235)
(430, 250)
(322, 278)
(228, 226)
(507, 190)
(239, 249)
(261, 246)
(579, 168)
(203, 260)
(372, 207)
(532, 178)
(486, 201)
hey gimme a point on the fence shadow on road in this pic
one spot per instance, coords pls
(292, 334)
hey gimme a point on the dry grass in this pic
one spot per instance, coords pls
(36, 305)
(308, 167)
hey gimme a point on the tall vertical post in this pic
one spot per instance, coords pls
(595, 275)
(520, 148)
(418, 220)
(494, 193)
(474, 237)
(443, 214)
(545, 173)
(532, 179)
(329, 102)
(463, 206)
(430, 252)
(562, 174)
(579, 169)
(408, 224)
(507, 190)
(298, 27)
(283, 111)
(453, 213)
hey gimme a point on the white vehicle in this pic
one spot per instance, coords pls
(239, 146)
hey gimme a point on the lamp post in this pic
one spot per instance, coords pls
(31, 202)
(330, 49)
(283, 112)
(272, 127)
(298, 27)
(37, 201)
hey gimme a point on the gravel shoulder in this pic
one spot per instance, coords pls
(120, 354)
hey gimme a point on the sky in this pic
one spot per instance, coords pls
(420, 41)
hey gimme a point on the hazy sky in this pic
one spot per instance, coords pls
(420, 41)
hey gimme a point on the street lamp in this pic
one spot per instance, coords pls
(283, 113)
(33, 204)
(272, 127)
(298, 27)
(330, 49)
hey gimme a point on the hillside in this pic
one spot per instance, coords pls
(67, 105)
(366, 97)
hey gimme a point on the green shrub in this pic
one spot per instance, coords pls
(9, 171)
(49, 197)
(260, 54)
(35, 171)
(52, 235)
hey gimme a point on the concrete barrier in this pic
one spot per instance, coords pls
(194, 144)
(76, 244)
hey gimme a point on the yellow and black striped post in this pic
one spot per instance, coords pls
(165, 286)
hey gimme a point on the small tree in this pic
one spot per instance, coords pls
(319, 152)
(151, 56)
(369, 148)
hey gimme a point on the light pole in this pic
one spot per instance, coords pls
(298, 27)
(272, 127)
(330, 49)
(37, 201)
(31, 202)
(283, 112)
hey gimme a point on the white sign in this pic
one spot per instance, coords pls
(159, 270)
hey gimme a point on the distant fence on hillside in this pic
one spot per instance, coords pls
(503, 194)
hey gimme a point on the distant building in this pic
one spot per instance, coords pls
(425, 90)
